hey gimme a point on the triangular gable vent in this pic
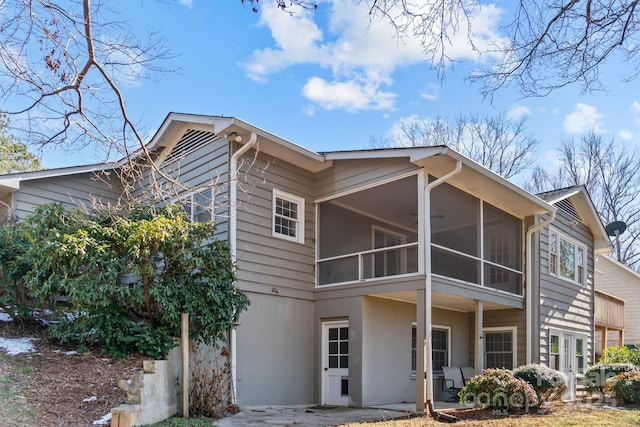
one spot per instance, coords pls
(568, 207)
(190, 141)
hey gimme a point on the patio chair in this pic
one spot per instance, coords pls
(452, 382)
(467, 373)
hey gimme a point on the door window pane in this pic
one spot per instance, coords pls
(338, 347)
(554, 352)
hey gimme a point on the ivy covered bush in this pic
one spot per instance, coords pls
(624, 387)
(499, 389)
(129, 276)
(596, 375)
(548, 383)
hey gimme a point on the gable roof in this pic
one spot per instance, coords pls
(473, 178)
(581, 202)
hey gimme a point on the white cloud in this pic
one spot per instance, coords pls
(360, 53)
(583, 119)
(431, 93)
(187, 3)
(518, 111)
(625, 135)
(349, 95)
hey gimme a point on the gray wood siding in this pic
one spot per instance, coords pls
(565, 305)
(266, 262)
(208, 165)
(72, 191)
(348, 175)
(616, 280)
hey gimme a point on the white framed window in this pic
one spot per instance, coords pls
(567, 258)
(554, 351)
(500, 347)
(440, 345)
(198, 206)
(288, 216)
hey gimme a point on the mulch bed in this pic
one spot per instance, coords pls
(64, 388)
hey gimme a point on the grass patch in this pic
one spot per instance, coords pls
(595, 417)
(14, 407)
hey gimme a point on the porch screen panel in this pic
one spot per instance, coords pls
(503, 248)
(454, 219)
(455, 265)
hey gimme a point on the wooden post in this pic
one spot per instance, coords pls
(184, 345)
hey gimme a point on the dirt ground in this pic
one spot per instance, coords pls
(54, 386)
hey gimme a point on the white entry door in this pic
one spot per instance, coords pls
(567, 355)
(335, 363)
(568, 358)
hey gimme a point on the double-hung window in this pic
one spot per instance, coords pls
(500, 347)
(567, 258)
(440, 344)
(288, 216)
(198, 206)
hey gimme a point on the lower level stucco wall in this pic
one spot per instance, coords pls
(275, 350)
(386, 343)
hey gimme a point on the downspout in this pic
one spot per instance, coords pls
(529, 285)
(427, 283)
(233, 198)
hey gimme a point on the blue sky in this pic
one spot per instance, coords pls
(326, 82)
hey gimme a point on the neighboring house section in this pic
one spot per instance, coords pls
(368, 271)
(614, 278)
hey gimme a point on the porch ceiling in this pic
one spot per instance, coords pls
(442, 300)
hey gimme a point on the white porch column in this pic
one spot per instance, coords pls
(420, 353)
(479, 340)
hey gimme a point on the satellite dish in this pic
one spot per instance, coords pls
(616, 228)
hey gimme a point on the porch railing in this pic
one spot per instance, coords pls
(365, 265)
(403, 259)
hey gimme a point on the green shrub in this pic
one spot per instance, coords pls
(624, 387)
(621, 354)
(499, 389)
(596, 375)
(548, 383)
(128, 277)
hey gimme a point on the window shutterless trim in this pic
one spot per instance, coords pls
(298, 221)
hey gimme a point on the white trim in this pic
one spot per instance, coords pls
(414, 325)
(299, 221)
(325, 325)
(577, 245)
(189, 198)
(514, 338)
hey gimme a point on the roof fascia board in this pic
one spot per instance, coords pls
(7, 180)
(412, 153)
(275, 138)
(501, 180)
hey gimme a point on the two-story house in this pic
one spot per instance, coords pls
(369, 270)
